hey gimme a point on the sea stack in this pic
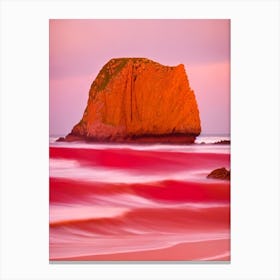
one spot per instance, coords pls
(139, 100)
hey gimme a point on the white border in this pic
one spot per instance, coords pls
(254, 134)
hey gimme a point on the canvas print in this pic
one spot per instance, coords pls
(139, 151)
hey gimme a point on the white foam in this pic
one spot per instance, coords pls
(211, 139)
(66, 212)
(133, 201)
(193, 148)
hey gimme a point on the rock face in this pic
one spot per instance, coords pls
(139, 100)
(220, 173)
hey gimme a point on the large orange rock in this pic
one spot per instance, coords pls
(136, 99)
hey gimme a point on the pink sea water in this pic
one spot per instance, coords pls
(140, 203)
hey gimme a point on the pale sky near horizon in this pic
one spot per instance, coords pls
(79, 48)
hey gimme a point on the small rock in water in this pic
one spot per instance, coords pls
(220, 173)
(60, 139)
(223, 142)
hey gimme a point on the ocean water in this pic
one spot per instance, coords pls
(138, 202)
(207, 139)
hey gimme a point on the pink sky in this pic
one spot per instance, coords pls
(79, 49)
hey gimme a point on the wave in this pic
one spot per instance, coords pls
(71, 191)
(120, 218)
(72, 169)
(132, 204)
(70, 213)
(132, 166)
(151, 147)
(151, 248)
(114, 206)
(137, 230)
